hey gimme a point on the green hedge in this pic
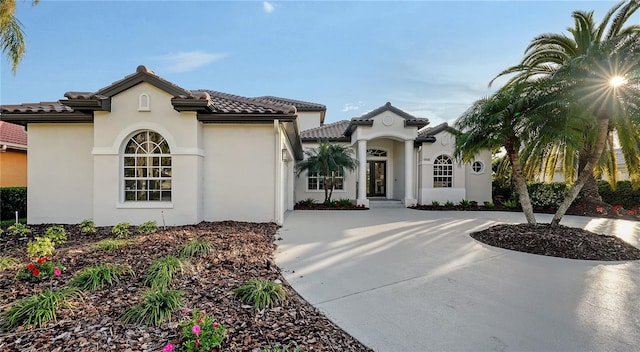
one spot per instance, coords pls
(624, 194)
(12, 199)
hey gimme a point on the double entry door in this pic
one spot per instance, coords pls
(376, 178)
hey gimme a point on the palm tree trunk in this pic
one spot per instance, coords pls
(326, 188)
(590, 189)
(583, 175)
(521, 185)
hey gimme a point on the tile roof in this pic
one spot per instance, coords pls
(36, 108)
(299, 104)
(333, 132)
(431, 131)
(12, 134)
(234, 104)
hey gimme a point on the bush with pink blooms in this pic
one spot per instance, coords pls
(38, 270)
(200, 332)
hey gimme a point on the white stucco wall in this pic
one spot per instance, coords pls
(308, 120)
(60, 178)
(239, 172)
(112, 132)
(479, 184)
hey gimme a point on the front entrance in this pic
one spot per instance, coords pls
(376, 179)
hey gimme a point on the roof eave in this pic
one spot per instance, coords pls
(185, 104)
(244, 118)
(357, 122)
(97, 104)
(63, 117)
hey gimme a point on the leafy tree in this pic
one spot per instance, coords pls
(328, 160)
(582, 68)
(11, 33)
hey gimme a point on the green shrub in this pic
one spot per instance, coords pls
(97, 277)
(38, 310)
(7, 263)
(156, 307)
(435, 203)
(148, 227)
(624, 194)
(489, 205)
(111, 244)
(56, 234)
(162, 271)
(308, 201)
(19, 230)
(511, 204)
(195, 247)
(13, 199)
(464, 203)
(40, 247)
(344, 202)
(261, 293)
(449, 204)
(121, 230)
(87, 226)
(546, 195)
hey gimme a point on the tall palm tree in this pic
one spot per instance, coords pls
(512, 117)
(330, 161)
(582, 66)
(11, 33)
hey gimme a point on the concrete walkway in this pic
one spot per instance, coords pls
(408, 280)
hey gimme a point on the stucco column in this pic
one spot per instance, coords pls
(409, 175)
(362, 174)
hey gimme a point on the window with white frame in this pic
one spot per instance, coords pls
(477, 167)
(147, 168)
(443, 172)
(315, 182)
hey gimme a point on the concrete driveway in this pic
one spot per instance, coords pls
(408, 280)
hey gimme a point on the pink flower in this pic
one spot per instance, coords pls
(186, 311)
(216, 325)
(196, 329)
(197, 343)
(56, 271)
(168, 348)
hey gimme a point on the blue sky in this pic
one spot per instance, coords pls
(429, 58)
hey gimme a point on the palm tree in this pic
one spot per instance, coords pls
(329, 160)
(512, 117)
(582, 67)
(11, 34)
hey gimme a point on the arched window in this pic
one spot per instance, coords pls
(147, 168)
(443, 172)
(376, 152)
(477, 167)
(144, 104)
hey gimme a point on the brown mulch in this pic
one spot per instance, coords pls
(243, 251)
(559, 241)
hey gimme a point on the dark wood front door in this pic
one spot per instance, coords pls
(376, 179)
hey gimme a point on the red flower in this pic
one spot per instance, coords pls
(36, 272)
(197, 343)
(42, 260)
(31, 266)
(216, 325)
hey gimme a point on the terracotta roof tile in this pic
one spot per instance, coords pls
(431, 131)
(235, 104)
(333, 131)
(299, 104)
(12, 133)
(35, 108)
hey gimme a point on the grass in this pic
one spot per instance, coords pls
(111, 244)
(97, 277)
(162, 271)
(283, 348)
(156, 307)
(9, 222)
(38, 310)
(194, 248)
(261, 293)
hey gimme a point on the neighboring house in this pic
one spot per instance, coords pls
(13, 155)
(146, 149)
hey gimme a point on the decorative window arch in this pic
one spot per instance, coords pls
(144, 102)
(147, 168)
(443, 172)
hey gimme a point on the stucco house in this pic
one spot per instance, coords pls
(13, 155)
(143, 148)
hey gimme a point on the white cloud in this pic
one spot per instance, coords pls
(267, 7)
(188, 61)
(352, 106)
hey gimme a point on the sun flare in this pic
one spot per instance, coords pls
(617, 81)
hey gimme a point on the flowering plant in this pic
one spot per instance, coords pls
(617, 208)
(600, 210)
(200, 332)
(38, 270)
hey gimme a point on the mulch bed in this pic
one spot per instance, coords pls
(559, 241)
(243, 251)
(322, 206)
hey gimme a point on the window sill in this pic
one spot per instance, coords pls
(145, 205)
(322, 191)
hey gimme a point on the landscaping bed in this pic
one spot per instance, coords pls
(242, 251)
